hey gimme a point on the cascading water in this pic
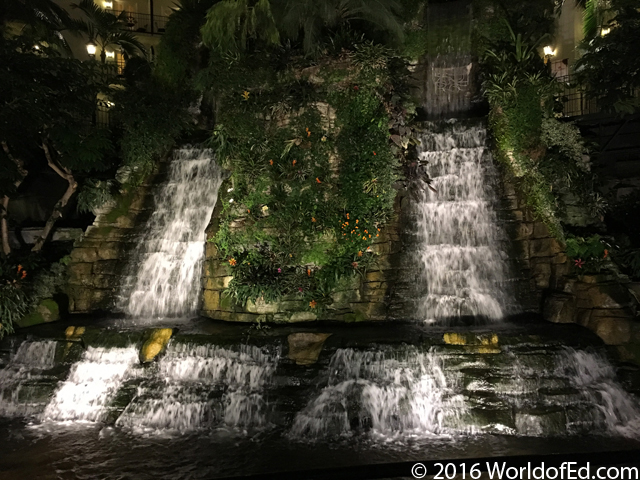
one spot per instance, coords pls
(406, 392)
(409, 393)
(201, 387)
(21, 381)
(165, 273)
(463, 264)
(92, 384)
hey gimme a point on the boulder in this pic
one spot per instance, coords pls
(304, 348)
(560, 308)
(155, 344)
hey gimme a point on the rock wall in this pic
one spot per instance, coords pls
(363, 298)
(99, 257)
(606, 304)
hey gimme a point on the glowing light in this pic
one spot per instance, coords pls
(605, 31)
(110, 54)
(107, 5)
(91, 49)
(549, 51)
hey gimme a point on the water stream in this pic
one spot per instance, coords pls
(461, 248)
(166, 268)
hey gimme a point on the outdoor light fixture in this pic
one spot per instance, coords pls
(107, 5)
(110, 54)
(91, 49)
(604, 31)
(548, 53)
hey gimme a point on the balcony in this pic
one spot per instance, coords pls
(144, 23)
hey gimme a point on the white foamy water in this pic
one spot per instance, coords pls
(21, 392)
(385, 394)
(198, 387)
(166, 268)
(594, 377)
(463, 265)
(91, 385)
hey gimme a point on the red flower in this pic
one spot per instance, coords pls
(606, 253)
(579, 263)
(354, 264)
(356, 88)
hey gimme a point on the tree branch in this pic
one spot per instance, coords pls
(57, 210)
(4, 212)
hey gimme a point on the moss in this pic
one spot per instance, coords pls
(356, 316)
(123, 204)
(46, 311)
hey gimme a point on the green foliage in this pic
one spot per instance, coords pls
(296, 221)
(94, 194)
(546, 155)
(230, 23)
(24, 283)
(610, 64)
(151, 115)
(178, 56)
(589, 254)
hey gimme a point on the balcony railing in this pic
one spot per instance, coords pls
(143, 22)
(574, 97)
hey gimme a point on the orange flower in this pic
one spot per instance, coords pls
(313, 219)
(313, 304)
(377, 234)
(606, 253)
(294, 162)
(360, 253)
(248, 211)
(347, 216)
(233, 262)
(318, 180)
(357, 220)
(308, 272)
(308, 131)
(270, 162)
(346, 223)
(374, 153)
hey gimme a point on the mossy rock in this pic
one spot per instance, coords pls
(155, 344)
(46, 311)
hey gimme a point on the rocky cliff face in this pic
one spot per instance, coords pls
(606, 304)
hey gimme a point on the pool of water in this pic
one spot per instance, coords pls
(230, 400)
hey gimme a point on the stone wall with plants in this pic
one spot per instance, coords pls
(302, 228)
(97, 262)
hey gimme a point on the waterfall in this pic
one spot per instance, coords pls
(92, 383)
(463, 264)
(20, 381)
(166, 268)
(199, 387)
(408, 392)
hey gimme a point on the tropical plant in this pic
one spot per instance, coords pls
(610, 65)
(107, 29)
(232, 23)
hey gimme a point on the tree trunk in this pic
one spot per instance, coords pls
(4, 227)
(57, 210)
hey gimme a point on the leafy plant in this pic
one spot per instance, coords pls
(588, 254)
